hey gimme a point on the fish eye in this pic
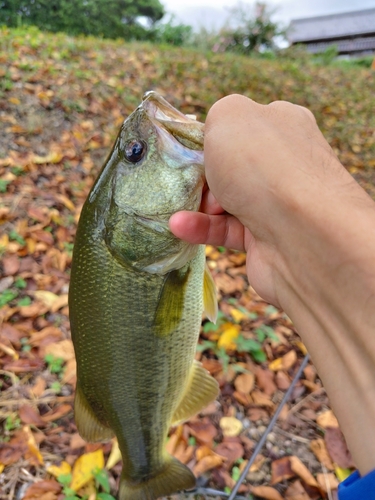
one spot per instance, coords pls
(134, 151)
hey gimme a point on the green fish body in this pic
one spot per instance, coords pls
(136, 299)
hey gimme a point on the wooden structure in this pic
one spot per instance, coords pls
(352, 33)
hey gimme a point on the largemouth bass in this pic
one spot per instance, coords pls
(136, 299)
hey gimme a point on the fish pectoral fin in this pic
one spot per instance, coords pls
(88, 425)
(174, 477)
(171, 302)
(209, 296)
(201, 391)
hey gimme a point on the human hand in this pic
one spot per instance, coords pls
(265, 166)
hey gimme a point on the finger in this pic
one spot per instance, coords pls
(196, 227)
(210, 205)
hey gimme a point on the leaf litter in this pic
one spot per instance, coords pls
(62, 100)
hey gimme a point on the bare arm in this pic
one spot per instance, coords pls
(277, 191)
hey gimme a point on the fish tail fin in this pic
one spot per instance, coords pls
(174, 477)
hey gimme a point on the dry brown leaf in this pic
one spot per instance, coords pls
(11, 265)
(245, 382)
(207, 463)
(212, 365)
(39, 387)
(282, 380)
(76, 441)
(243, 399)
(58, 412)
(258, 463)
(63, 349)
(261, 399)
(231, 450)
(70, 373)
(39, 489)
(327, 419)
(296, 492)
(203, 430)
(30, 415)
(302, 471)
(228, 285)
(265, 380)
(47, 335)
(337, 448)
(318, 447)
(184, 453)
(255, 414)
(24, 365)
(266, 492)
(281, 470)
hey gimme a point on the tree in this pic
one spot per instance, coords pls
(108, 18)
(249, 31)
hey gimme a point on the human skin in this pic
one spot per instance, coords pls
(277, 191)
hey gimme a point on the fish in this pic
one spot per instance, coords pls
(136, 298)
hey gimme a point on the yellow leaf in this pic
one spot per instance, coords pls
(285, 362)
(115, 455)
(84, 467)
(327, 419)
(230, 426)
(342, 474)
(53, 157)
(301, 346)
(14, 100)
(32, 446)
(276, 364)
(58, 470)
(48, 298)
(238, 315)
(2, 467)
(4, 240)
(229, 333)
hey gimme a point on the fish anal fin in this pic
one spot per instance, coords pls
(209, 296)
(202, 390)
(174, 477)
(171, 302)
(87, 423)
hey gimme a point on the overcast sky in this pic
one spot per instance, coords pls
(213, 13)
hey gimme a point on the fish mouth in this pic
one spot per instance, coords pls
(185, 129)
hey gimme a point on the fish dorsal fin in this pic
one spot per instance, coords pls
(209, 296)
(201, 390)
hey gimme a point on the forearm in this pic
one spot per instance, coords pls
(326, 284)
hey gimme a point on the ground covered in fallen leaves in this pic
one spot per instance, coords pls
(62, 101)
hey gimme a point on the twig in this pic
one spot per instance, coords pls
(50, 399)
(328, 487)
(292, 436)
(215, 493)
(269, 428)
(298, 405)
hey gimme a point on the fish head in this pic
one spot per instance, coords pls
(155, 169)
